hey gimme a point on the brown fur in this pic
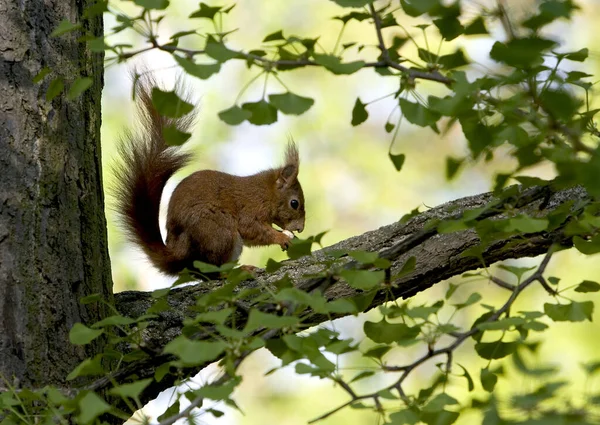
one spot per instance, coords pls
(210, 214)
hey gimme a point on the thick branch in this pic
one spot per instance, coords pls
(438, 257)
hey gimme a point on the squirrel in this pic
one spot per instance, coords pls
(211, 215)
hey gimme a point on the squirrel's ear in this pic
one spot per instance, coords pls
(289, 172)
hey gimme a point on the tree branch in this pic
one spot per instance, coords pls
(438, 257)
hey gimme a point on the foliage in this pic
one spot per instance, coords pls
(531, 105)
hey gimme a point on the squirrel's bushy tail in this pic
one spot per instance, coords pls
(147, 163)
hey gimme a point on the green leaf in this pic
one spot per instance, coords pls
(578, 56)
(419, 115)
(591, 367)
(359, 16)
(407, 217)
(488, 380)
(453, 60)
(521, 52)
(257, 319)
(315, 300)
(116, 320)
(169, 104)
(378, 352)
(386, 333)
(88, 367)
(202, 71)
(300, 248)
(41, 75)
(467, 376)
(536, 371)
(131, 390)
(55, 88)
(352, 3)
(418, 7)
(473, 298)
(424, 311)
(549, 12)
(234, 115)
(527, 224)
(161, 371)
(588, 247)
(364, 257)
(449, 27)
(219, 316)
(64, 27)
(341, 306)
(495, 350)
(194, 353)
(272, 266)
(175, 137)
(206, 11)
(452, 166)
(81, 334)
(215, 413)
(438, 403)
(502, 324)
(335, 65)
(217, 392)
(261, 112)
(362, 375)
(477, 26)
(152, 4)
(97, 45)
(444, 417)
(535, 326)
(588, 286)
(89, 299)
(560, 103)
(171, 411)
(397, 160)
(92, 406)
(277, 35)
(408, 266)
(359, 113)
(452, 226)
(517, 271)
(363, 279)
(410, 416)
(218, 51)
(572, 312)
(290, 103)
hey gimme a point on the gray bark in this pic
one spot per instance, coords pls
(438, 257)
(53, 246)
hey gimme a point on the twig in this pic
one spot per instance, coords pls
(547, 287)
(502, 283)
(449, 349)
(198, 400)
(385, 55)
(185, 412)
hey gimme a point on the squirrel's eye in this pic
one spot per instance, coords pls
(294, 204)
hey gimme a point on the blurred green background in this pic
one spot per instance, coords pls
(349, 183)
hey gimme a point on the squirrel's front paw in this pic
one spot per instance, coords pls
(285, 239)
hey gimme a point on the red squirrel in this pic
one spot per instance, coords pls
(211, 214)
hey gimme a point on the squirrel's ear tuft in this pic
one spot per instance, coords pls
(289, 172)
(291, 154)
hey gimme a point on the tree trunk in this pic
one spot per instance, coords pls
(53, 247)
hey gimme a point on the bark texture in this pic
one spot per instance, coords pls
(438, 257)
(53, 246)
